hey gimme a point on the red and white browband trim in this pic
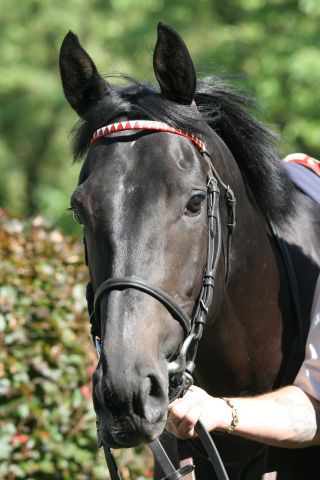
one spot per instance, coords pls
(146, 125)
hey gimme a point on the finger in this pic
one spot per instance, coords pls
(175, 402)
(179, 409)
(172, 427)
(194, 393)
(189, 420)
(184, 428)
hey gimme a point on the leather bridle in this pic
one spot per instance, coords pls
(180, 370)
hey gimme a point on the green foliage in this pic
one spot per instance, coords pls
(273, 45)
(46, 359)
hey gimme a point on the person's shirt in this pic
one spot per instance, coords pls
(308, 378)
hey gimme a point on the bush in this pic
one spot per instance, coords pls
(47, 419)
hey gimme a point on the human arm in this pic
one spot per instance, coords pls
(287, 417)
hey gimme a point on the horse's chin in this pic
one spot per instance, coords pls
(126, 434)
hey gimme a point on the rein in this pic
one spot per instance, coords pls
(180, 370)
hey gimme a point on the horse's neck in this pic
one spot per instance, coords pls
(245, 342)
(251, 339)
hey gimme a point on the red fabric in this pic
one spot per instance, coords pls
(304, 160)
(146, 125)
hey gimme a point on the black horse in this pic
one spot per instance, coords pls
(142, 198)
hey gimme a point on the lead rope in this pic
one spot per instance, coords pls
(212, 452)
(171, 473)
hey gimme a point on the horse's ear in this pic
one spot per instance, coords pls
(173, 66)
(81, 81)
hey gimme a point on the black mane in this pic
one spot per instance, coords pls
(226, 111)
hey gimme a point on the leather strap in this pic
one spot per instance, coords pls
(165, 463)
(112, 466)
(212, 452)
(121, 283)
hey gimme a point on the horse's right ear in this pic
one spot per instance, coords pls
(81, 81)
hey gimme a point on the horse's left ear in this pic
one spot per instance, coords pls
(81, 81)
(173, 66)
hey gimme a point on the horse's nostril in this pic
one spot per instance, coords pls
(155, 388)
(150, 387)
(150, 403)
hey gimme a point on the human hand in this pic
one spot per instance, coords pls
(185, 412)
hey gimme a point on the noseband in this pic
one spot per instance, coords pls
(180, 370)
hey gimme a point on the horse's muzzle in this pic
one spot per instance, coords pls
(130, 412)
(123, 434)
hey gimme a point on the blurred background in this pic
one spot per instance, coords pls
(271, 47)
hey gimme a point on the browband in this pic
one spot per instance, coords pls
(146, 125)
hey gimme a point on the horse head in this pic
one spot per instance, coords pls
(142, 199)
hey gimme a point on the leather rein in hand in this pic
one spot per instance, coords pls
(180, 370)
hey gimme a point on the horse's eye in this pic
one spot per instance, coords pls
(76, 216)
(195, 204)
